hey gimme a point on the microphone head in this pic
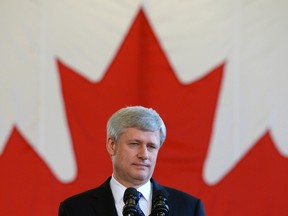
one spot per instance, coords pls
(130, 199)
(160, 193)
(130, 193)
(160, 203)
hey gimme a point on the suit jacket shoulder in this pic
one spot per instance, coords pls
(94, 202)
(181, 203)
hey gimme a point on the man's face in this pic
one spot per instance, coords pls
(134, 156)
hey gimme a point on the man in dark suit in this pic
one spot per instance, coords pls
(134, 136)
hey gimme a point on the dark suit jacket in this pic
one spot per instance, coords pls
(100, 202)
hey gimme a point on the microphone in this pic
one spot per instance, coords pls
(130, 200)
(160, 204)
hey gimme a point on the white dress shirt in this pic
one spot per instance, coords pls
(145, 201)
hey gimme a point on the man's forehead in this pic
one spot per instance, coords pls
(135, 133)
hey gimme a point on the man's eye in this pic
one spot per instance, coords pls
(152, 147)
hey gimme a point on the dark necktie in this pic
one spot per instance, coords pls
(140, 212)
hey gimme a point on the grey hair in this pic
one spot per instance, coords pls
(142, 118)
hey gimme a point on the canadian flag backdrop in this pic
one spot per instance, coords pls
(216, 71)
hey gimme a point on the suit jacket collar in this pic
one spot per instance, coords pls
(156, 186)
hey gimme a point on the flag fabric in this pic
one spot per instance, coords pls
(214, 70)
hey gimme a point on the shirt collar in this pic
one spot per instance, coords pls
(118, 190)
(145, 190)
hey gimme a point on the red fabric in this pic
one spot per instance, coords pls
(141, 75)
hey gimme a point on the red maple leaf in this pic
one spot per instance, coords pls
(141, 74)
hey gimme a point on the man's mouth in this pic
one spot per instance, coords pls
(141, 165)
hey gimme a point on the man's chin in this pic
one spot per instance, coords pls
(143, 178)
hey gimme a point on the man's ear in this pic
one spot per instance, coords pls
(111, 146)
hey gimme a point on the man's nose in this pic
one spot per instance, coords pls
(143, 152)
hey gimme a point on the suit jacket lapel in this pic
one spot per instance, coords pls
(103, 201)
